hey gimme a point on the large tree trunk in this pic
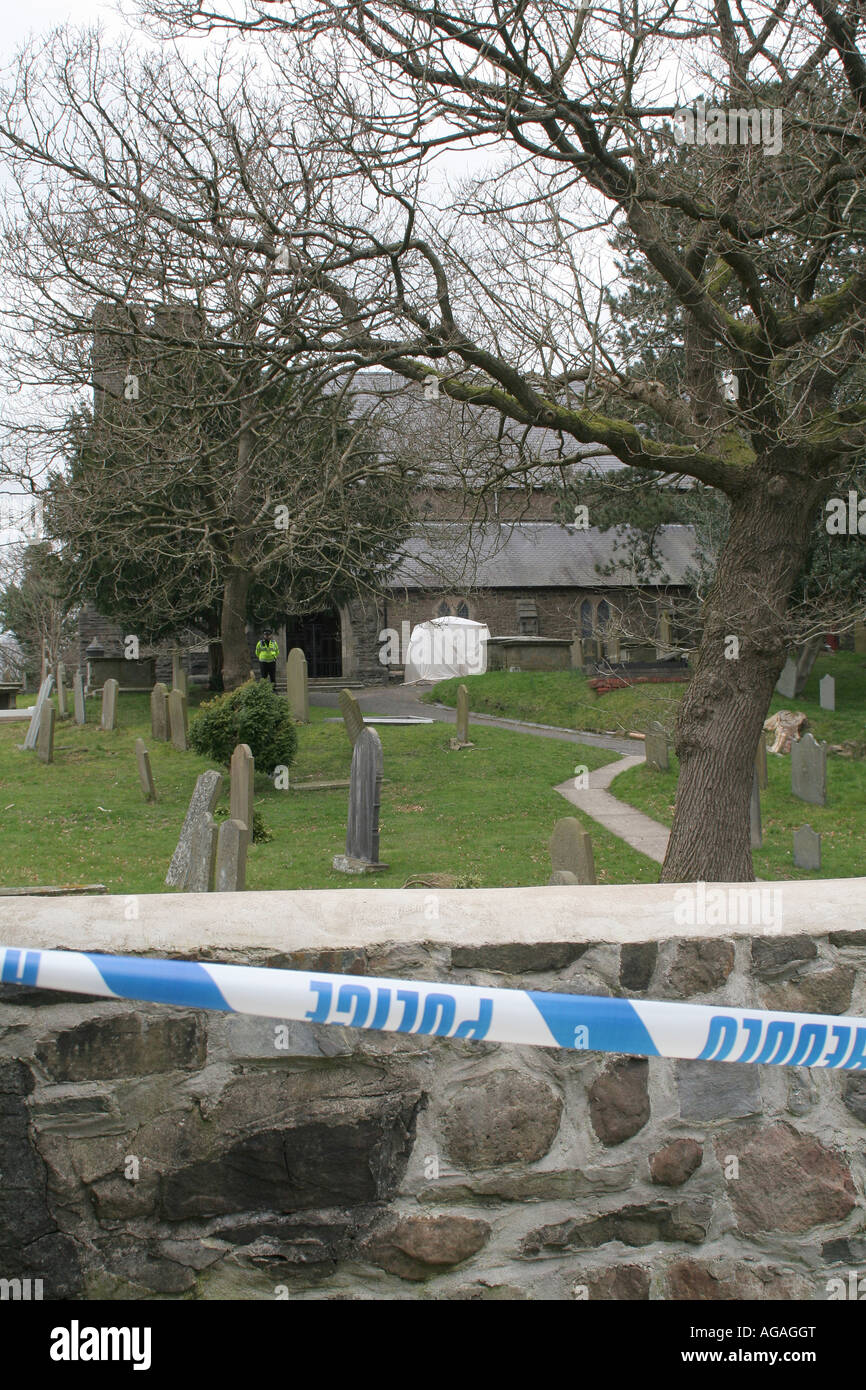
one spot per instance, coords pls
(233, 628)
(722, 714)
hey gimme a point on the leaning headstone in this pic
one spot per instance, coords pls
(145, 775)
(45, 739)
(571, 857)
(352, 716)
(178, 720)
(62, 711)
(656, 748)
(39, 708)
(827, 692)
(231, 857)
(761, 764)
(202, 856)
(785, 685)
(756, 836)
(204, 798)
(243, 773)
(159, 712)
(297, 687)
(462, 734)
(807, 848)
(78, 698)
(362, 833)
(109, 705)
(809, 770)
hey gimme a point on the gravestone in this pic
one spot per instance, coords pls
(62, 711)
(798, 669)
(756, 837)
(362, 833)
(231, 857)
(179, 677)
(761, 764)
(178, 719)
(159, 712)
(571, 857)
(78, 698)
(205, 796)
(577, 654)
(860, 638)
(656, 748)
(202, 856)
(785, 685)
(45, 740)
(108, 721)
(145, 775)
(809, 770)
(41, 700)
(462, 734)
(807, 848)
(243, 773)
(352, 716)
(297, 686)
(613, 649)
(827, 692)
(666, 637)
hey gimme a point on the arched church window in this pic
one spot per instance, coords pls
(602, 617)
(586, 618)
(462, 610)
(443, 611)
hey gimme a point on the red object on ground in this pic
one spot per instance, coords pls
(603, 684)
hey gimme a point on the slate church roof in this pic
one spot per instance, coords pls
(542, 554)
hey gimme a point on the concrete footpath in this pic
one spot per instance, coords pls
(640, 831)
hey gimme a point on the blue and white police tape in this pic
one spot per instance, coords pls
(527, 1017)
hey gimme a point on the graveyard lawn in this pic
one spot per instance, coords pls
(841, 823)
(565, 700)
(484, 814)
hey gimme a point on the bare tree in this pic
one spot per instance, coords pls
(576, 124)
(215, 470)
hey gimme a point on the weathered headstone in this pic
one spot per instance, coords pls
(204, 798)
(656, 748)
(362, 833)
(45, 739)
(145, 775)
(807, 848)
(860, 638)
(178, 720)
(179, 677)
(243, 773)
(78, 698)
(159, 712)
(761, 763)
(297, 687)
(613, 649)
(665, 637)
(578, 658)
(352, 716)
(41, 700)
(462, 734)
(231, 857)
(798, 669)
(756, 836)
(202, 856)
(62, 711)
(827, 692)
(109, 705)
(809, 770)
(785, 685)
(571, 857)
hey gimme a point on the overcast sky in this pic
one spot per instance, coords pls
(18, 20)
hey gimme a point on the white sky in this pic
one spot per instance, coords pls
(21, 18)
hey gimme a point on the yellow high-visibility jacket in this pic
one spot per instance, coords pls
(267, 651)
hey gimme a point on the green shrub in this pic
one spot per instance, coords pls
(253, 714)
(261, 832)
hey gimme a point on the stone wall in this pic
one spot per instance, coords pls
(152, 1151)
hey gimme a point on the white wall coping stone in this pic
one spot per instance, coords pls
(236, 923)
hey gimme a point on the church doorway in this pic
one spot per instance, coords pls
(318, 636)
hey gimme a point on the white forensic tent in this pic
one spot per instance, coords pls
(446, 647)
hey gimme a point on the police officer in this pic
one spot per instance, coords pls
(267, 652)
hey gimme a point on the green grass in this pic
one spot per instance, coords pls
(841, 823)
(564, 699)
(485, 812)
